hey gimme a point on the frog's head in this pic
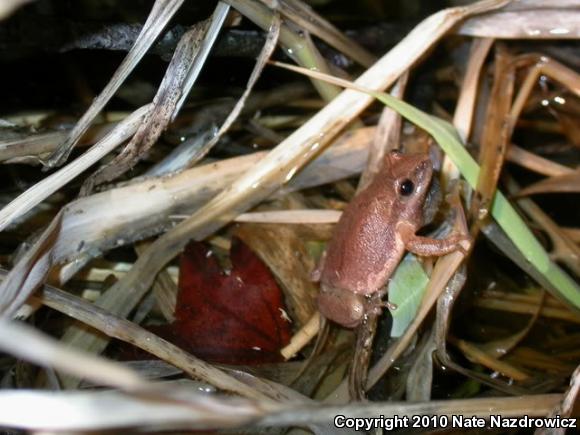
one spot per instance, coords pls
(410, 176)
(341, 306)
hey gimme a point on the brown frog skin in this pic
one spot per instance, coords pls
(372, 235)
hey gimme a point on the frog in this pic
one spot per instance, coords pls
(373, 233)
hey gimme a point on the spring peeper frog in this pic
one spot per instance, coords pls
(372, 235)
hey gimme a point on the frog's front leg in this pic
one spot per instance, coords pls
(428, 247)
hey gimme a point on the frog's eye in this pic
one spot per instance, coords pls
(406, 187)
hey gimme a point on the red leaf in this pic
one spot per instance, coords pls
(233, 318)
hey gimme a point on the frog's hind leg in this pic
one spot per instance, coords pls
(365, 334)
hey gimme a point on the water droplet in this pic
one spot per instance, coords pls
(560, 100)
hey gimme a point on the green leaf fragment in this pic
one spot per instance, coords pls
(406, 290)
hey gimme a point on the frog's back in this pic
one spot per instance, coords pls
(365, 248)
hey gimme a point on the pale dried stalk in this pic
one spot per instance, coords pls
(129, 332)
(29, 344)
(528, 19)
(302, 337)
(7, 7)
(531, 298)
(291, 217)
(535, 163)
(164, 288)
(160, 15)
(184, 409)
(524, 308)
(81, 412)
(217, 21)
(477, 355)
(309, 20)
(466, 103)
(298, 44)
(566, 406)
(542, 65)
(163, 108)
(29, 149)
(387, 136)
(43, 189)
(265, 54)
(495, 139)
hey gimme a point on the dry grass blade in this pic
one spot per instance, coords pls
(445, 305)
(535, 163)
(466, 103)
(463, 117)
(188, 410)
(291, 217)
(217, 20)
(7, 7)
(309, 20)
(297, 43)
(43, 189)
(265, 54)
(569, 183)
(528, 308)
(538, 405)
(528, 19)
(24, 342)
(160, 15)
(542, 65)
(479, 356)
(495, 138)
(178, 408)
(164, 290)
(302, 337)
(27, 149)
(501, 346)
(32, 148)
(129, 332)
(563, 249)
(386, 137)
(163, 108)
(570, 397)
